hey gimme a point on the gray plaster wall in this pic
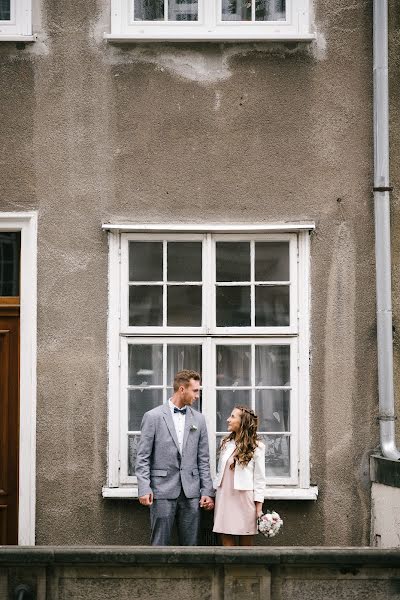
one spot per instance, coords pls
(247, 133)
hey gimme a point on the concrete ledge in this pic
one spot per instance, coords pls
(384, 470)
(292, 573)
(177, 555)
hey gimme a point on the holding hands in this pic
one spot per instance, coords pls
(206, 502)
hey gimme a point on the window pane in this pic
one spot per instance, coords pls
(9, 263)
(184, 261)
(270, 10)
(277, 455)
(272, 365)
(145, 261)
(233, 261)
(272, 409)
(5, 10)
(145, 305)
(182, 10)
(272, 261)
(139, 402)
(218, 440)
(133, 441)
(233, 365)
(272, 306)
(233, 306)
(145, 362)
(182, 357)
(149, 10)
(184, 305)
(236, 10)
(226, 401)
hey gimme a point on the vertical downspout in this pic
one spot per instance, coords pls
(382, 191)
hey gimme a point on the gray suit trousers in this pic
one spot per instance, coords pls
(184, 511)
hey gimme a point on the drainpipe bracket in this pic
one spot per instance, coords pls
(388, 188)
(387, 418)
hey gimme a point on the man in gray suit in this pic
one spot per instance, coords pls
(173, 465)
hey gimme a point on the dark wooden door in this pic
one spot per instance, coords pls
(9, 419)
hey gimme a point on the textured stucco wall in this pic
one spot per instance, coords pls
(248, 133)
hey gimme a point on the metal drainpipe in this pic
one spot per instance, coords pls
(382, 191)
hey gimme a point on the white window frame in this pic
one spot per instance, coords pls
(19, 27)
(209, 26)
(297, 335)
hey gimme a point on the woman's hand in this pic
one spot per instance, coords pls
(259, 506)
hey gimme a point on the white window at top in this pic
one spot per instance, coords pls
(15, 19)
(233, 307)
(210, 19)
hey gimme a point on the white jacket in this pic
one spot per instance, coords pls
(250, 477)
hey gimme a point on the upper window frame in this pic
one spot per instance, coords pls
(19, 27)
(210, 27)
(209, 285)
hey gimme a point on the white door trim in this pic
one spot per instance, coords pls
(26, 223)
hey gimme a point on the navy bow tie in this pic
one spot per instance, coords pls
(182, 411)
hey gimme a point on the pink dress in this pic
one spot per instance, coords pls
(235, 511)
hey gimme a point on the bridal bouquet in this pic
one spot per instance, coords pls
(269, 523)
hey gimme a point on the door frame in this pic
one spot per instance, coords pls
(26, 223)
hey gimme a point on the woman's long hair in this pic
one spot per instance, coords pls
(246, 438)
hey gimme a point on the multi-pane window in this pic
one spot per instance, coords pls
(230, 306)
(15, 18)
(253, 10)
(165, 10)
(229, 10)
(210, 19)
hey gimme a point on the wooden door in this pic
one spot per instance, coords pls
(9, 419)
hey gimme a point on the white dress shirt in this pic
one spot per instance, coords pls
(179, 423)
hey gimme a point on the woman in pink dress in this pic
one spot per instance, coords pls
(240, 480)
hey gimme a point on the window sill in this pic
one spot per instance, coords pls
(18, 38)
(208, 36)
(271, 493)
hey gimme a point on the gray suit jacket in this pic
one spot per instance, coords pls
(160, 467)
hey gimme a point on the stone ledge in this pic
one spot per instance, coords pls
(384, 470)
(177, 555)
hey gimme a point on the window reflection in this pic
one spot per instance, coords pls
(10, 244)
(133, 441)
(272, 365)
(5, 10)
(149, 10)
(277, 455)
(145, 364)
(272, 306)
(233, 365)
(185, 356)
(272, 408)
(139, 402)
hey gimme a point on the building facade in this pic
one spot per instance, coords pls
(186, 185)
